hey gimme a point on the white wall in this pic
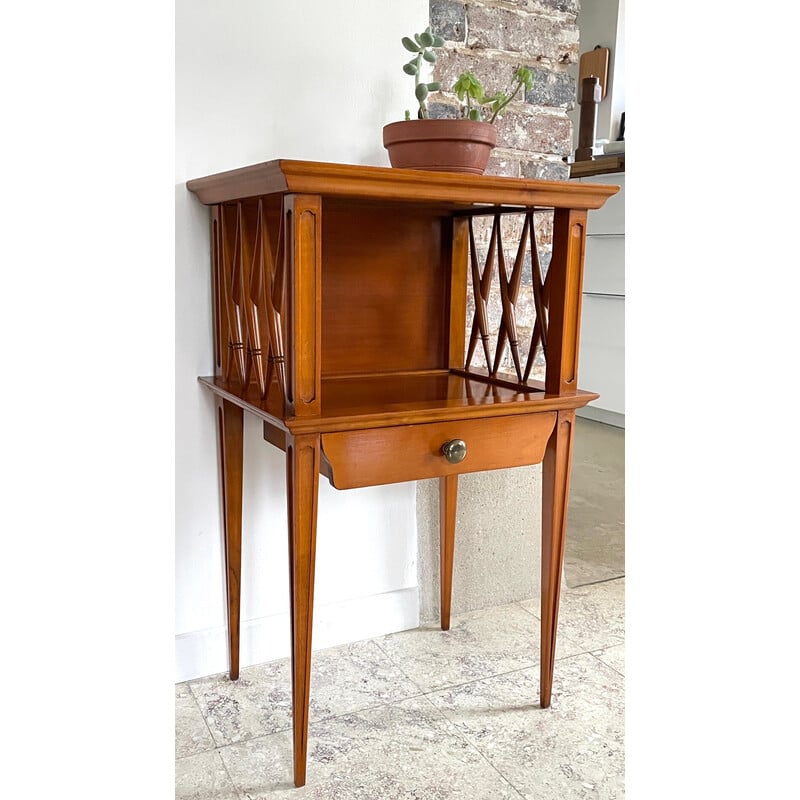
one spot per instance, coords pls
(602, 22)
(258, 80)
(618, 66)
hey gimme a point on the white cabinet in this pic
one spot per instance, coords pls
(602, 345)
(611, 217)
(604, 272)
(602, 356)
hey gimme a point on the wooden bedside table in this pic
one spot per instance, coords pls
(340, 299)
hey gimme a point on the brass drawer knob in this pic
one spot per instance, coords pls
(455, 450)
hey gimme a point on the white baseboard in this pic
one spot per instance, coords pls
(205, 652)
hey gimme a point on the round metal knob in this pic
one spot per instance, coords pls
(455, 450)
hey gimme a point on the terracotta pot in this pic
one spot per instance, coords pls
(445, 145)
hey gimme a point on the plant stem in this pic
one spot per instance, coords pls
(501, 107)
(423, 113)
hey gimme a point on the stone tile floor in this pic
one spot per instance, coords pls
(425, 714)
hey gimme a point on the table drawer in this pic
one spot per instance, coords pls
(413, 452)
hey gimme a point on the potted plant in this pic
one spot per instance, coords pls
(448, 145)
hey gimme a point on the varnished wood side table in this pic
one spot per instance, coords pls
(340, 313)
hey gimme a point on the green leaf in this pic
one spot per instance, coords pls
(460, 87)
(426, 38)
(471, 84)
(475, 115)
(429, 56)
(476, 91)
(409, 45)
(524, 76)
(410, 69)
(421, 92)
(438, 41)
(434, 87)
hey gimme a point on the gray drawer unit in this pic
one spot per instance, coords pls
(602, 345)
(602, 352)
(611, 217)
(604, 270)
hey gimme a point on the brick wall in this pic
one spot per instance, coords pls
(493, 37)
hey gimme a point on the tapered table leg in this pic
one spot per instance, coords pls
(555, 492)
(302, 485)
(448, 495)
(230, 425)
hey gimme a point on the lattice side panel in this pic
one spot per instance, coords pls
(230, 301)
(249, 294)
(507, 297)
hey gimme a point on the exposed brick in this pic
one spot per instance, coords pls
(511, 228)
(500, 164)
(536, 133)
(552, 88)
(525, 307)
(482, 227)
(495, 28)
(546, 170)
(495, 73)
(442, 109)
(543, 223)
(568, 6)
(501, 36)
(448, 20)
(511, 231)
(545, 254)
(565, 6)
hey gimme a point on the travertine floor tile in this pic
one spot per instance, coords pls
(613, 656)
(572, 751)
(203, 777)
(372, 735)
(478, 644)
(592, 616)
(259, 702)
(191, 732)
(343, 679)
(398, 752)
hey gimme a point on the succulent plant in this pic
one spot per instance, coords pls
(476, 103)
(420, 45)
